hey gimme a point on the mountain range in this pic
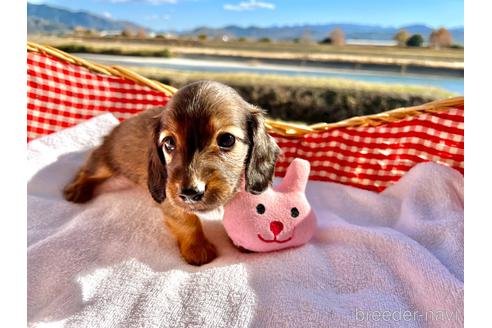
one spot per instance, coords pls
(48, 19)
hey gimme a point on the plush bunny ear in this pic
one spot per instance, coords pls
(296, 177)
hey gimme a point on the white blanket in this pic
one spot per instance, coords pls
(393, 259)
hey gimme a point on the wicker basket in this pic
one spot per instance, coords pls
(369, 152)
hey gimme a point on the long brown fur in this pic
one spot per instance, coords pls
(195, 118)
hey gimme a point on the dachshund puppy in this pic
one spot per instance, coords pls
(191, 156)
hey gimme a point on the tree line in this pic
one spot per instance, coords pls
(440, 38)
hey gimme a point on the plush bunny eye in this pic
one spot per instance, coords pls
(260, 208)
(294, 212)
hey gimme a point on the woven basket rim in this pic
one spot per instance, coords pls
(274, 126)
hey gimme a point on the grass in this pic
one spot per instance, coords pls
(306, 99)
(154, 49)
(78, 48)
(248, 79)
(421, 56)
(451, 54)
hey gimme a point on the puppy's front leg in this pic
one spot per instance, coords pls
(192, 243)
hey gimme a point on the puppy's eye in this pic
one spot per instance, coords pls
(169, 144)
(226, 140)
(294, 212)
(260, 208)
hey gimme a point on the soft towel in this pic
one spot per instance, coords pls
(390, 259)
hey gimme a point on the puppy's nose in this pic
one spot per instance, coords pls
(191, 195)
(276, 227)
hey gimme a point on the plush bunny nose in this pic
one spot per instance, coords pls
(276, 227)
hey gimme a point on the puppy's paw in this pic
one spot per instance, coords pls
(77, 193)
(199, 253)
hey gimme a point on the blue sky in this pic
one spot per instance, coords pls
(186, 14)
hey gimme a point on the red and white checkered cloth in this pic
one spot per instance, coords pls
(374, 157)
(61, 94)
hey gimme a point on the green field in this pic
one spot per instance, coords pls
(306, 99)
(175, 77)
(426, 57)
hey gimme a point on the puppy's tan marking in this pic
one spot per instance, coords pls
(92, 174)
(192, 243)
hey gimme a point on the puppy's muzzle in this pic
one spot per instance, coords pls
(192, 195)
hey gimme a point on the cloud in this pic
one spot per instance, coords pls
(107, 15)
(249, 5)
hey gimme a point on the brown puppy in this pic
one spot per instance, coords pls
(191, 156)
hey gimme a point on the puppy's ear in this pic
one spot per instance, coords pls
(157, 172)
(262, 154)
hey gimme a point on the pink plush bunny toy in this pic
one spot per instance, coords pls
(278, 218)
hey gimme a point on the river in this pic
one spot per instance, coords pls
(449, 83)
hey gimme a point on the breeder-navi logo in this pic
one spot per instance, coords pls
(405, 315)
